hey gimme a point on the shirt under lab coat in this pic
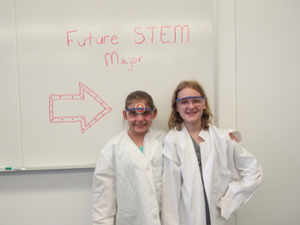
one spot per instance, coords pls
(127, 183)
(230, 174)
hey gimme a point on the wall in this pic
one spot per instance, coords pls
(268, 112)
(56, 197)
(266, 68)
(263, 65)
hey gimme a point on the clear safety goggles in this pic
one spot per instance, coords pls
(135, 112)
(195, 100)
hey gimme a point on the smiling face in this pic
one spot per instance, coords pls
(140, 123)
(190, 111)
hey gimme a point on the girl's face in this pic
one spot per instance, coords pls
(190, 110)
(141, 122)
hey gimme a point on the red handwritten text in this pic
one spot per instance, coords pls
(89, 40)
(163, 34)
(110, 58)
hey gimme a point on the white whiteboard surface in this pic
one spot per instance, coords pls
(10, 140)
(52, 64)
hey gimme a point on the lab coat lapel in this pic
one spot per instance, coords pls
(206, 151)
(138, 158)
(207, 156)
(193, 176)
(205, 148)
(189, 153)
(151, 144)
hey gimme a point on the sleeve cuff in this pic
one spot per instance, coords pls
(228, 209)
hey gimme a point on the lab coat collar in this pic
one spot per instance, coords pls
(205, 147)
(204, 134)
(151, 145)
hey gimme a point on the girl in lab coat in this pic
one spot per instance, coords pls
(208, 176)
(127, 178)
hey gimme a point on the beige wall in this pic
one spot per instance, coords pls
(265, 59)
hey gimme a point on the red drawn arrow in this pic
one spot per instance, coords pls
(79, 97)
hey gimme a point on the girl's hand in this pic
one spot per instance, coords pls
(232, 137)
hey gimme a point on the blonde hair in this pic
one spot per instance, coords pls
(175, 119)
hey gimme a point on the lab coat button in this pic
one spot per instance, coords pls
(155, 216)
(151, 192)
(148, 168)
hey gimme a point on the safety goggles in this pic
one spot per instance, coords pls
(135, 112)
(195, 100)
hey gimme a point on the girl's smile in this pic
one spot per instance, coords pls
(139, 123)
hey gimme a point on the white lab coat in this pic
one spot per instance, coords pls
(127, 183)
(230, 174)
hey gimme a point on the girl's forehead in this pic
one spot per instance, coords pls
(187, 91)
(138, 101)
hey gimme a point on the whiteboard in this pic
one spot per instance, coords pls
(78, 60)
(10, 139)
